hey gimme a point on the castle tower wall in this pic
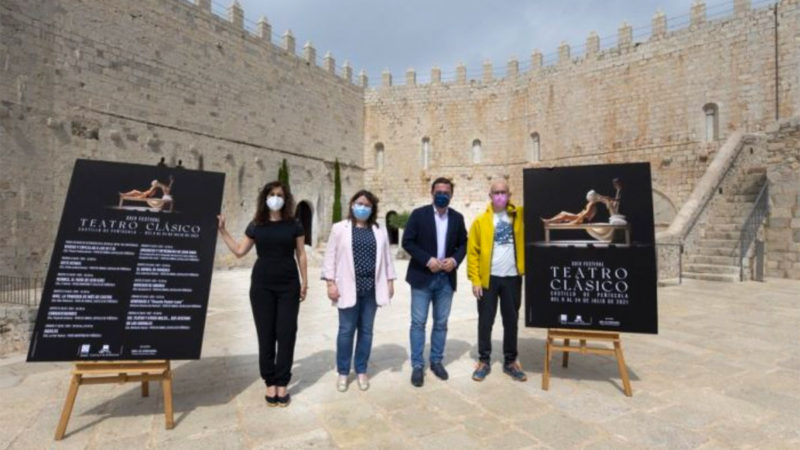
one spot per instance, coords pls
(137, 81)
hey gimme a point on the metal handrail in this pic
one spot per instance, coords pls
(20, 290)
(752, 224)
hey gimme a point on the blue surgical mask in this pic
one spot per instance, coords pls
(361, 212)
(441, 200)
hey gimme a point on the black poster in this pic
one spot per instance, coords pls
(130, 272)
(590, 252)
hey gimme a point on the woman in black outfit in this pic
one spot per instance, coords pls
(275, 288)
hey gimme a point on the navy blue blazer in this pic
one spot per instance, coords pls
(419, 240)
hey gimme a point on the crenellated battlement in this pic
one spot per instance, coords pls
(233, 16)
(699, 20)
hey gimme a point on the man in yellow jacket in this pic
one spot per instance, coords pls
(495, 265)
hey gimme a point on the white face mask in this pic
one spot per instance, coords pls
(274, 203)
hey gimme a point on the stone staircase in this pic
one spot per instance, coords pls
(715, 257)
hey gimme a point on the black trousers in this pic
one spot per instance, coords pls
(275, 310)
(509, 291)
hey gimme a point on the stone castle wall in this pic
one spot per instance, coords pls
(782, 231)
(636, 101)
(136, 81)
(16, 327)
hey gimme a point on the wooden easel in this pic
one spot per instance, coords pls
(105, 372)
(582, 337)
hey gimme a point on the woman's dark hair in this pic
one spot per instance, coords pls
(443, 180)
(262, 212)
(372, 199)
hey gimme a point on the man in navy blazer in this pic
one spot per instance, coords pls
(436, 238)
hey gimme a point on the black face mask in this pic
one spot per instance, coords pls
(441, 199)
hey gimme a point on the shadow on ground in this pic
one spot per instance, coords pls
(209, 381)
(385, 357)
(581, 366)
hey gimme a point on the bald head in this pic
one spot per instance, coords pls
(498, 185)
(499, 193)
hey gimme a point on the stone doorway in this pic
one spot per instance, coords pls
(392, 231)
(304, 214)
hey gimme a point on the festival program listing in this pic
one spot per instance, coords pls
(91, 274)
(130, 270)
(156, 303)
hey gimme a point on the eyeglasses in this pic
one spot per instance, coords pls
(499, 192)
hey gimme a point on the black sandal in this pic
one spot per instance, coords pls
(284, 401)
(272, 401)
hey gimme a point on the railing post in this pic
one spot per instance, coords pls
(751, 226)
(741, 257)
(759, 275)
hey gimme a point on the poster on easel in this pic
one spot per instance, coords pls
(590, 253)
(130, 271)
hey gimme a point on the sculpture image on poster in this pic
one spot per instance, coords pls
(150, 197)
(590, 250)
(130, 272)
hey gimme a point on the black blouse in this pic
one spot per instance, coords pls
(275, 244)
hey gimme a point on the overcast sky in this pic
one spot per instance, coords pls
(398, 34)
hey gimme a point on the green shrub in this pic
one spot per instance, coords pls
(337, 193)
(399, 220)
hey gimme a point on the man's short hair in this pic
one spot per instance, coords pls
(443, 180)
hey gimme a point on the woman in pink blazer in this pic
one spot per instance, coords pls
(360, 274)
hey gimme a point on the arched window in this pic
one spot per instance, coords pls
(664, 210)
(712, 121)
(425, 155)
(379, 157)
(536, 150)
(476, 151)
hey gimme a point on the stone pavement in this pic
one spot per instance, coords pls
(724, 372)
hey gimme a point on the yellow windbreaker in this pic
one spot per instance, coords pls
(481, 242)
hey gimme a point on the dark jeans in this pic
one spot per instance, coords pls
(360, 317)
(438, 293)
(275, 310)
(509, 291)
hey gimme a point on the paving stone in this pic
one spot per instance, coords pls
(558, 430)
(687, 393)
(648, 431)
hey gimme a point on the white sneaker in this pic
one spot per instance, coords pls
(363, 382)
(341, 383)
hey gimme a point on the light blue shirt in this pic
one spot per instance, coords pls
(441, 232)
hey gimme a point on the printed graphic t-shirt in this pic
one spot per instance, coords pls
(503, 259)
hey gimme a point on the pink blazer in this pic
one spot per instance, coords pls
(338, 264)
